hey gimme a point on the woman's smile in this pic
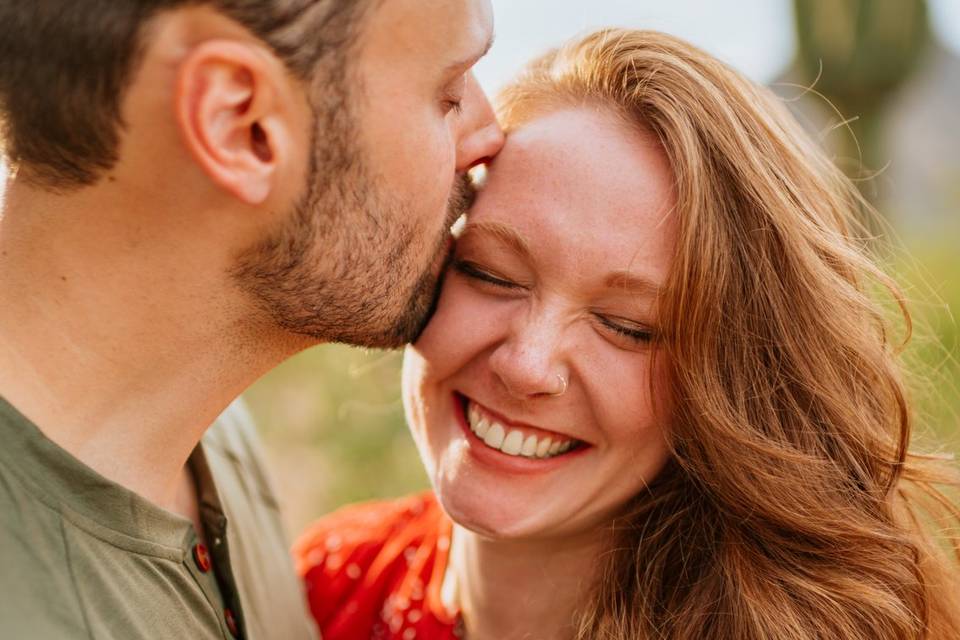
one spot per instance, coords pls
(509, 445)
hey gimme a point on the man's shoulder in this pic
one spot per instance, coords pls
(237, 459)
(35, 564)
(234, 430)
(274, 603)
(384, 530)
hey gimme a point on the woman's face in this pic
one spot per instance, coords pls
(555, 275)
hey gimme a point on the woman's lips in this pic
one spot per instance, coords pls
(520, 447)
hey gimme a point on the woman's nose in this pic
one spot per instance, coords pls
(530, 363)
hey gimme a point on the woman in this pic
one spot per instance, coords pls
(656, 398)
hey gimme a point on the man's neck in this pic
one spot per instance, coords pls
(521, 590)
(117, 341)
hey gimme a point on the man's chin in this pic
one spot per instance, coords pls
(420, 307)
(422, 302)
(405, 327)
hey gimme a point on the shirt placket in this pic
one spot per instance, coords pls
(215, 527)
(200, 562)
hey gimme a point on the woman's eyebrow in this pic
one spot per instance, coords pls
(633, 283)
(499, 232)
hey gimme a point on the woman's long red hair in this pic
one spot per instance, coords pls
(792, 508)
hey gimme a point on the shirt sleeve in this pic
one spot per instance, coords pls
(356, 561)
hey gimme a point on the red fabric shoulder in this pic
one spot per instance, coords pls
(374, 570)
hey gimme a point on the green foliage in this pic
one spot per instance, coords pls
(861, 49)
(857, 54)
(333, 424)
(930, 274)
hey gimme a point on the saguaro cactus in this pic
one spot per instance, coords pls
(862, 50)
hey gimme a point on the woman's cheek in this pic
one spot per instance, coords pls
(618, 387)
(464, 324)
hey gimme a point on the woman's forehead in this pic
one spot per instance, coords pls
(582, 181)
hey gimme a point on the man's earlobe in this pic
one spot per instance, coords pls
(227, 108)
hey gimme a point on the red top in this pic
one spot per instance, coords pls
(374, 571)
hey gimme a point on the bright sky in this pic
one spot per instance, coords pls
(945, 15)
(755, 36)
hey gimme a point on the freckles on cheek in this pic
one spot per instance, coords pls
(462, 327)
(621, 392)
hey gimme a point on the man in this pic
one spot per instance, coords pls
(199, 190)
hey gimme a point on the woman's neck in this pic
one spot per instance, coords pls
(520, 590)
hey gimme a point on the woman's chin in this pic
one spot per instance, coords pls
(493, 515)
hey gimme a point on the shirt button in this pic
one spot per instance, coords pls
(231, 622)
(201, 557)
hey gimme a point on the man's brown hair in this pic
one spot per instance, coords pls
(64, 65)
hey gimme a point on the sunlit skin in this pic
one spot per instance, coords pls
(425, 116)
(420, 119)
(124, 289)
(556, 273)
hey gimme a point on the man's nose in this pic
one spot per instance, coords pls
(481, 136)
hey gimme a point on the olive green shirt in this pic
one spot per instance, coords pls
(83, 557)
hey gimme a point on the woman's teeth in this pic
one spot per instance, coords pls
(513, 442)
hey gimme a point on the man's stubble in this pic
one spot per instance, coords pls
(343, 265)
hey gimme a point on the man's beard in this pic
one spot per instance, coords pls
(341, 266)
(422, 301)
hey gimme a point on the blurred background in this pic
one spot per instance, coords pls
(876, 81)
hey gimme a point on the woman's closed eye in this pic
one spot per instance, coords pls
(629, 332)
(475, 272)
(632, 331)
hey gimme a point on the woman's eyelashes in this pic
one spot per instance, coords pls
(629, 330)
(476, 272)
(622, 328)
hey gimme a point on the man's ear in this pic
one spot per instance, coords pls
(229, 106)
